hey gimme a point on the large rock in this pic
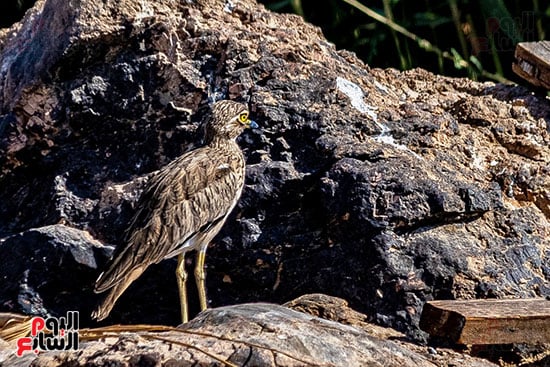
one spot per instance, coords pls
(47, 271)
(256, 334)
(385, 188)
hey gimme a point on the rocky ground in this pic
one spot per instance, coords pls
(381, 187)
(253, 334)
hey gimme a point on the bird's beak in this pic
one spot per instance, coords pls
(251, 124)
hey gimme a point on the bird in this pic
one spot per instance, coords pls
(182, 208)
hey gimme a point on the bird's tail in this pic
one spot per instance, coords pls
(106, 304)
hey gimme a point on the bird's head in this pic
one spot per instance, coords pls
(227, 120)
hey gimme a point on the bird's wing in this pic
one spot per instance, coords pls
(182, 199)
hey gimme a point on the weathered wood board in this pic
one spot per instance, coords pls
(495, 321)
(533, 62)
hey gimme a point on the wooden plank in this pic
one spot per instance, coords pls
(494, 321)
(533, 62)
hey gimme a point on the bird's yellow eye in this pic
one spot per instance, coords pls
(243, 117)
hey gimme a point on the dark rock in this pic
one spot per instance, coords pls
(46, 271)
(385, 188)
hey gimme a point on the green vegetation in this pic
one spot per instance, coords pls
(453, 37)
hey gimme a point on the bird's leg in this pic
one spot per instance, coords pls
(181, 277)
(200, 276)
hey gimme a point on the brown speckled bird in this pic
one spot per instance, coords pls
(182, 208)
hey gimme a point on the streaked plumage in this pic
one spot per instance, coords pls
(182, 208)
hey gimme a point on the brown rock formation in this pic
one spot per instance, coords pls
(385, 188)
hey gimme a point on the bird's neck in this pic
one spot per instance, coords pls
(218, 142)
